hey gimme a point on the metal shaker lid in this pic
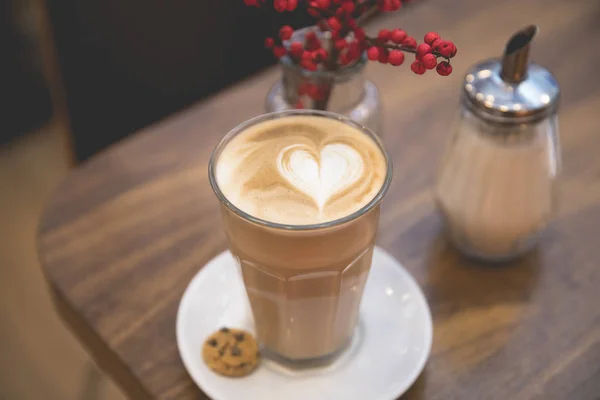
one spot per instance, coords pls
(511, 90)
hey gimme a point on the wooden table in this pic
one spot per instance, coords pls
(124, 233)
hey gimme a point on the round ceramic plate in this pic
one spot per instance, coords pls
(387, 353)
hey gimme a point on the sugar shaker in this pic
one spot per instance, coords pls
(497, 185)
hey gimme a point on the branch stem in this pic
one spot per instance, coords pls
(391, 46)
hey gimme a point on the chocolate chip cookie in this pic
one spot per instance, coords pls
(231, 352)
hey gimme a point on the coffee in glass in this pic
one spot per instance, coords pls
(300, 194)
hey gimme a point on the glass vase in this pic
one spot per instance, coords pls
(345, 91)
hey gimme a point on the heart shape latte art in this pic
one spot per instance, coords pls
(339, 166)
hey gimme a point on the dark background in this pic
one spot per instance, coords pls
(126, 64)
(24, 98)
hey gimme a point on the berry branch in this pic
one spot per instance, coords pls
(390, 46)
(345, 41)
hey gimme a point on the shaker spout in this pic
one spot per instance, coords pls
(516, 55)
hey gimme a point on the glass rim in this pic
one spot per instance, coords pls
(290, 227)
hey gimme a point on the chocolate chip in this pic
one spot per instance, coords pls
(242, 365)
(222, 352)
(239, 337)
(236, 352)
(212, 342)
(224, 330)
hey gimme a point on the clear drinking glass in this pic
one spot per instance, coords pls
(304, 282)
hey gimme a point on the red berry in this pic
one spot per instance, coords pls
(384, 35)
(323, 4)
(388, 5)
(348, 6)
(252, 3)
(353, 51)
(409, 42)
(312, 46)
(447, 49)
(423, 49)
(383, 56)
(314, 13)
(373, 53)
(341, 44)
(396, 57)
(286, 32)
(296, 49)
(352, 23)
(359, 34)
(436, 44)
(444, 68)
(431, 37)
(343, 59)
(308, 64)
(291, 5)
(279, 51)
(315, 92)
(429, 61)
(417, 67)
(398, 36)
(312, 41)
(285, 5)
(269, 42)
(454, 50)
(320, 55)
(334, 24)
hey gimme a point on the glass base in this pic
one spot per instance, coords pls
(332, 360)
(474, 254)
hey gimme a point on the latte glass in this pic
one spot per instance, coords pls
(304, 282)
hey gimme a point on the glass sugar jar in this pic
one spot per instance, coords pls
(497, 186)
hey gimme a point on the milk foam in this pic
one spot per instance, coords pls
(338, 167)
(300, 170)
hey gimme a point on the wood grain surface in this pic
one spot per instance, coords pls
(124, 233)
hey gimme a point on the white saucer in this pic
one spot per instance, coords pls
(387, 354)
